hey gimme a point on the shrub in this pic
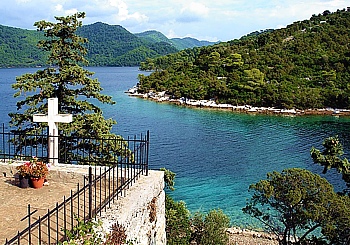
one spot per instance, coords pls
(210, 229)
(178, 228)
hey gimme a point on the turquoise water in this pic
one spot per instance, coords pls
(215, 154)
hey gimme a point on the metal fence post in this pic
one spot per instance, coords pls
(30, 226)
(3, 140)
(90, 193)
(147, 152)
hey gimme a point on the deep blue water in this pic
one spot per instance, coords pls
(215, 154)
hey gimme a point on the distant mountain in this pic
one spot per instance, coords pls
(153, 36)
(178, 43)
(113, 45)
(188, 42)
(109, 45)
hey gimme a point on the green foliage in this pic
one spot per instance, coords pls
(66, 80)
(169, 179)
(198, 227)
(305, 65)
(89, 233)
(294, 203)
(178, 227)
(204, 229)
(337, 229)
(210, 229)
(152, 36)
(83, 233)
(18, 47)
(331, 157)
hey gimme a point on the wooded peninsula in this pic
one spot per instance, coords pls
(303, 66)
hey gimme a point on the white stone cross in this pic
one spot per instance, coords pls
(52, 118)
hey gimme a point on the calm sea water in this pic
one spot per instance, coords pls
(215, 154)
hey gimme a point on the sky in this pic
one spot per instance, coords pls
(211, 20)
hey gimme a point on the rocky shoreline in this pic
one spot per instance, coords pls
(238, 236)
(209, 104)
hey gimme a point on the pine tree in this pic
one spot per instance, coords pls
(294, 203)
(332, 157)
(67, 80)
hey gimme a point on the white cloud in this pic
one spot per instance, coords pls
(107, 11)
(196, 8)
(124, 14)
(71, 11)
(115, 12)
(115, 3)
(193, 11)
(59, 7)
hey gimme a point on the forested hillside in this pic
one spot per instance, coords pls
(18, 47)
(305, 65)
(113, 45)
(109, 45)
(153, 36)
(178, 43)
(188, 42)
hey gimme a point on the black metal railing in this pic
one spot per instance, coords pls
(100, 189)
(19, 146)
(72, 149)
(102, 186)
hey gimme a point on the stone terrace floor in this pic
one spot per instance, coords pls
(14, 203)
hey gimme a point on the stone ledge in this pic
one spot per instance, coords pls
(133, 210)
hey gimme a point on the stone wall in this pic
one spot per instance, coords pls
(141, 212)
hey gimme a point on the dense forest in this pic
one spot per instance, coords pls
(109, 45)
(305, 65)
(18, 47)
